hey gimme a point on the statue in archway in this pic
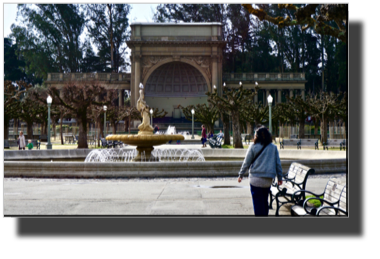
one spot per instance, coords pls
(143, 108)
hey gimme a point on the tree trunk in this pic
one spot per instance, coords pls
(129, 124)
(236, 130)
(324, 130)
(82, 139)
(30, 130)
(16, 121)
(126, 124)
(301, 133)
(6, 128)
(61, 129)
(54, 130)
(226, 129)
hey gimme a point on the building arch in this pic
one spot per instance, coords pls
(171, 59)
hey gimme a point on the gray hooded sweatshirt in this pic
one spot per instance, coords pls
(267, 165)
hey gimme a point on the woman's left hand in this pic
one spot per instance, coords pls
(239, 180)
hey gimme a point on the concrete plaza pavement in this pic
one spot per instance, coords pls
(155, 196)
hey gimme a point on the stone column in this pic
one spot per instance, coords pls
(303, 94)
(121, 97)
(291, 93)
(137, 80)
(279, 96)
(256, 98)
(214, 73)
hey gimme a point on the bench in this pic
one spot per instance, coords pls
(332, 203)
(43, 137)
(295, 179)
(215, 142)
(6, 143)
(105, 144)
(341, 143)
(309, 143)
(69, 139)
(290, 142)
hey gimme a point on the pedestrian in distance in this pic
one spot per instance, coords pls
(220, 134)
(263, 163)
(30, 144)
(203, 136)
(21, 141)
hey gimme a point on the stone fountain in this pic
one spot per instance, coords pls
(145, 140)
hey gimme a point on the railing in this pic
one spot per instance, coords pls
(89, 76)
(263, 76)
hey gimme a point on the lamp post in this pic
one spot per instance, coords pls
(151, 117)
(192, 115)
(270, 100)
(105, 110)
(49, 100)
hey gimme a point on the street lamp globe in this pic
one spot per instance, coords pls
(49, 99)
(240, 83)
(192, 111)
(105, 108)
(224, 84)
(151, 111)
(256, 83)
(270, 99)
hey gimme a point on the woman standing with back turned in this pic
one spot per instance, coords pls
(263, 162)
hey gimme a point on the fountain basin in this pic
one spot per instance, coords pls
(145, 141)
(15, 165)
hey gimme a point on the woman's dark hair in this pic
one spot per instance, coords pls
(263, 136)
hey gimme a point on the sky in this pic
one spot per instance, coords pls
(138, 13)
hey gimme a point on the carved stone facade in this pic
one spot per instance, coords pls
(176, 60)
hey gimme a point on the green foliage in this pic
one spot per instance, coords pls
(315, 203)
(108, 27)
(207, 115)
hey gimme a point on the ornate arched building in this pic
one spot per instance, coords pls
(178, 63)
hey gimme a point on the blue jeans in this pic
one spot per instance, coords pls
(260, 200)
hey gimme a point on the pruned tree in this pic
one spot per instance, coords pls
(309, 16)
(296, 111)
(256, 114)
(79, 97)
(13, 93)
(233, 102)
(207, 115)
(31, 110)
(322, 106)
(278, 114)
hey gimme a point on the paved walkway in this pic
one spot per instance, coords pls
(165, 196)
